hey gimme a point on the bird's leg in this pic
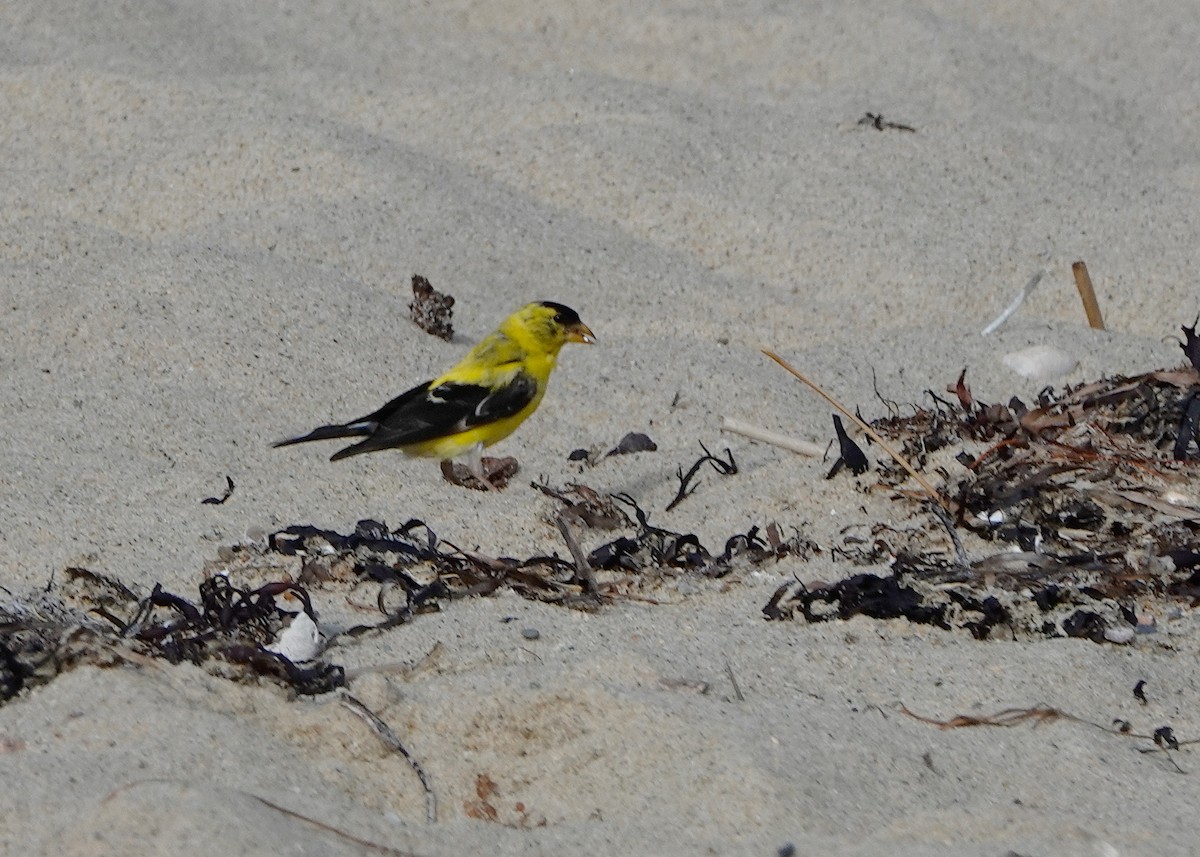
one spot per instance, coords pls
(471, 473)
(474, 460)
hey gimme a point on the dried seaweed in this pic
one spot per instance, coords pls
(858, 421)
(39, 638)
(724, 466)
(427, 571)
(1191, 345)
(1089, 496)
(631, 443)
(232, 623)
(1139, 692)
(850, 454)
(1189, 429)
(225, 495)
(232, 629)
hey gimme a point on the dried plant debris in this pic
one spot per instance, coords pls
(595, 510)
(431, 310)
(876, 121)
(93, 619)
(1076, 512)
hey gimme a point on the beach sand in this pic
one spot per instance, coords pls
(211, 213)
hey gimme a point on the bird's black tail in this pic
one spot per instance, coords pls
(328, 433)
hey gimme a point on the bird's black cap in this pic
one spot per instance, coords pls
(563, 314)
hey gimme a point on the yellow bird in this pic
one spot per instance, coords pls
(479, 402)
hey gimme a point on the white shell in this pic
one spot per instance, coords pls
(1119, 635)
(299, 641)
(1042, 362)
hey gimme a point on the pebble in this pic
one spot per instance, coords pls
(530, 633)
(1043, 362)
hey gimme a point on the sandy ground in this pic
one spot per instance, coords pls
(209, 216)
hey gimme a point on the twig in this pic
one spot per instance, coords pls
(389, 739)
(876, 121)
(329, 828)
(899, 459)
(583, 568)
(1161, 748)
(1016, 303)
(803, 447)
(1007, 717)
(1163, 738)
(290, 813)
(1091, 306)
(737, 691)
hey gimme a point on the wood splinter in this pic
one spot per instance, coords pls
(1091, 306)
(854, 418)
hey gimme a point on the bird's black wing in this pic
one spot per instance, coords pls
(426, 413)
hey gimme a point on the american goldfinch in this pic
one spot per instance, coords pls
(479, 402)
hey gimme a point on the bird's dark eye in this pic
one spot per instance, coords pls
(559, 318)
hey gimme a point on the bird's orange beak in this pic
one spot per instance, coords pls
(581, 333)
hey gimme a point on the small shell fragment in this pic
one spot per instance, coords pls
(1043, 362)
(1119, 635)
(995, 518)
(299, 641)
